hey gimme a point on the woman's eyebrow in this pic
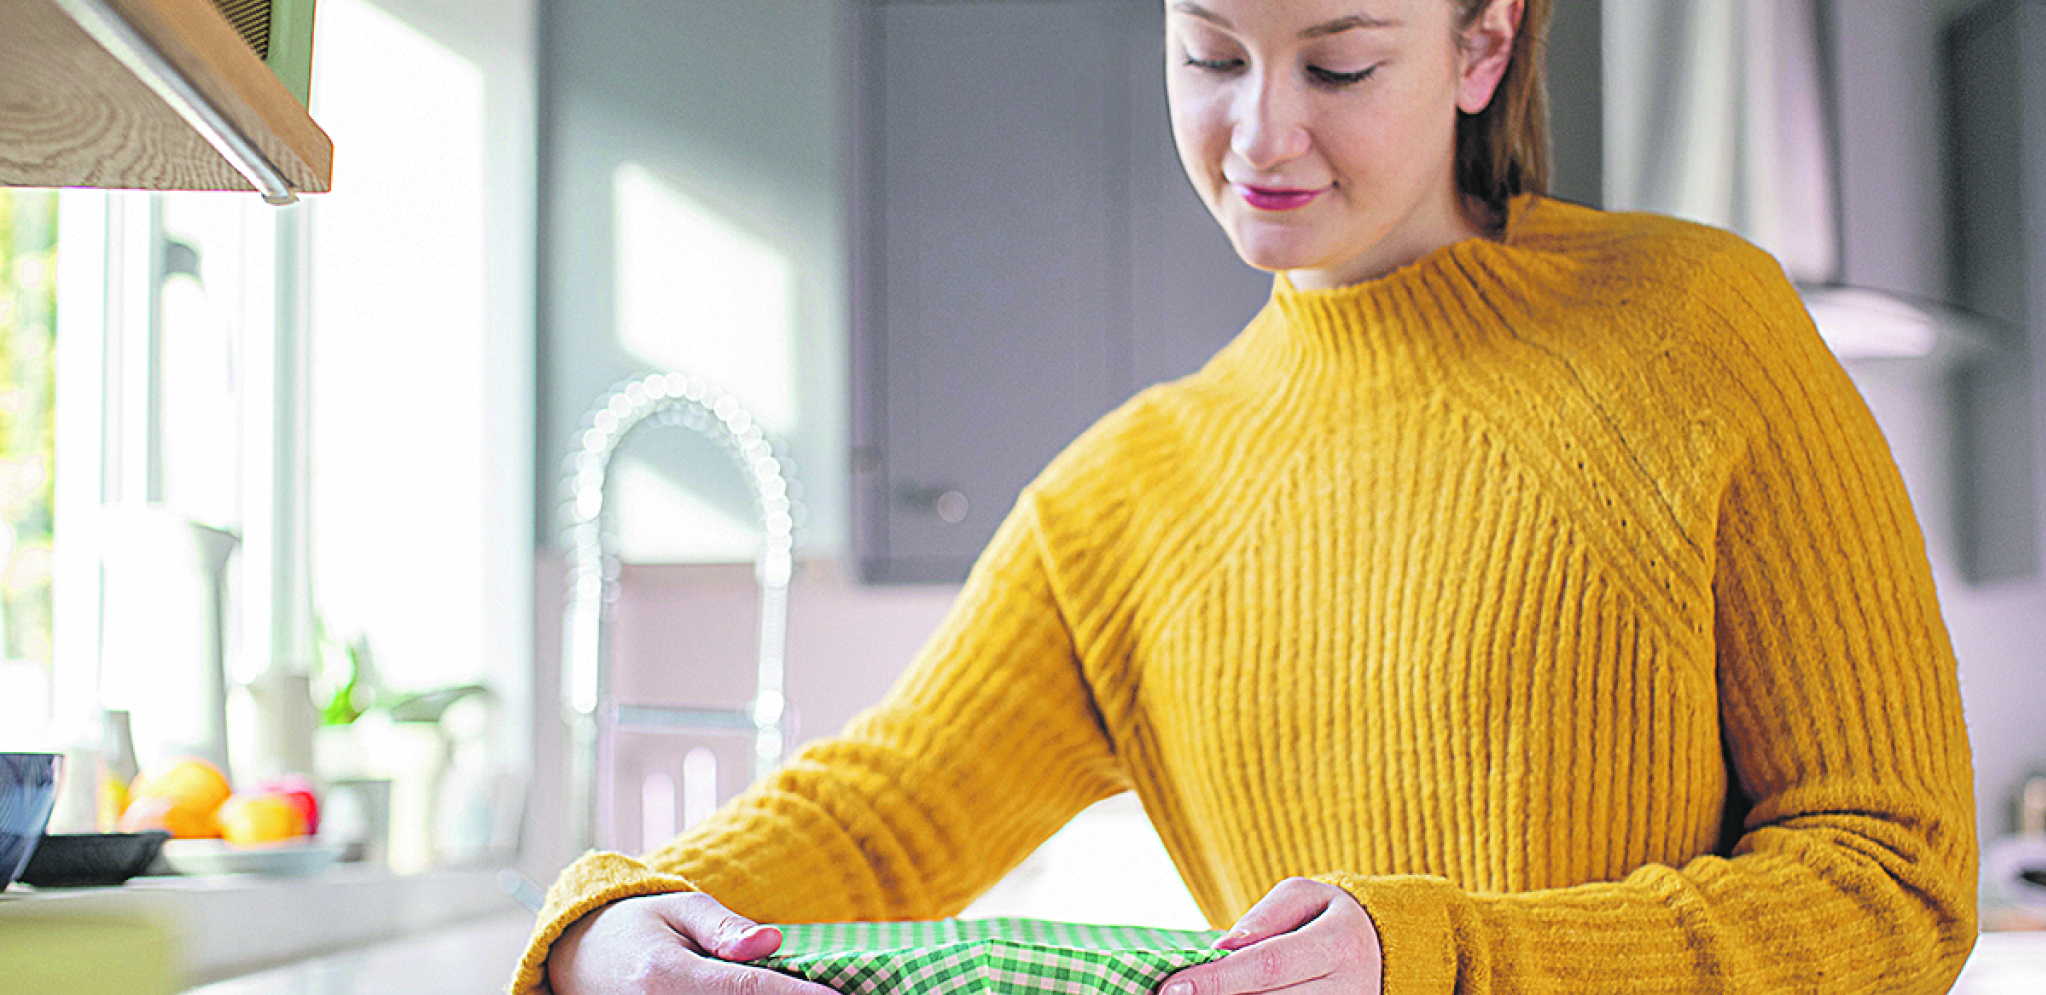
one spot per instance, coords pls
(1342, 24)
(1337, 26)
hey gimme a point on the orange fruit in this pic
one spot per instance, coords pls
(190, 780)
(182, 796)
(264, 818)
(182, 821)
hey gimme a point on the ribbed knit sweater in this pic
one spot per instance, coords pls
(1556, 595)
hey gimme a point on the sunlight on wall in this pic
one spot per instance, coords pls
(399, 352)
(696, 293)
(669, 523)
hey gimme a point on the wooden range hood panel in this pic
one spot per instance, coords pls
(72, 114)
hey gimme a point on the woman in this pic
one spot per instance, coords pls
(1524, 602)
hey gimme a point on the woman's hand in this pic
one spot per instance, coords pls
(677, 944)
(1304, 936)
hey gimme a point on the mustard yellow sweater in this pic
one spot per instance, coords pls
(1555, 595)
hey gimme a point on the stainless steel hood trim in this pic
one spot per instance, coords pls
(1726, 112)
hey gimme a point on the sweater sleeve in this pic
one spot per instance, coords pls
(1855, 867)
(986, 746)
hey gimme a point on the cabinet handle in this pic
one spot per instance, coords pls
(944, 500)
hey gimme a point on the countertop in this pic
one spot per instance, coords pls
(2005, 964)
(473, 958)
(223, 926)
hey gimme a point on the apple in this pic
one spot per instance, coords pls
(262, 818)
(298, 791)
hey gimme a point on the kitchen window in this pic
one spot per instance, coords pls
(336, 394)
(170, 316)
(99, 382)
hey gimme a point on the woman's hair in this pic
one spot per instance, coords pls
(1503, 150)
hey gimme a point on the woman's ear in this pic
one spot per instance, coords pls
(1487, 51)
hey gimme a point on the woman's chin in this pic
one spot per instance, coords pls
(1275, 255)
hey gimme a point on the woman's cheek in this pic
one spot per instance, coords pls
(1200, 129)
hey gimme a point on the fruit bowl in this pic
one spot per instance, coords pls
(28, 789)
(288, 858)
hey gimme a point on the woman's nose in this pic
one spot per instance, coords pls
(1270, 126)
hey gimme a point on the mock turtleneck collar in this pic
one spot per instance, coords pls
(1382, 326)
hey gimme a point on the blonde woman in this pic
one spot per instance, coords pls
(1524, 602)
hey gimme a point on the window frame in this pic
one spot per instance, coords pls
(110, 447)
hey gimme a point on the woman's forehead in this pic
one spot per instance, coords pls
(1312, 18)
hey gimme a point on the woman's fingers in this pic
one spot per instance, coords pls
(1290, 904)
(1303, 938)
(668, 945)
(712, 929)
(680, 972)
(716, 977)
(1281, 962)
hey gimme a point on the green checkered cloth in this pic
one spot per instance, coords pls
(988, 957)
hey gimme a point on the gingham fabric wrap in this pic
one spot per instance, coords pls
(988, 957)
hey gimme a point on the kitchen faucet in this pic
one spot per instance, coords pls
(685, 401)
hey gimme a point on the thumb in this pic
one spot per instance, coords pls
(746, 942)
(719, 931)
(1292, 904)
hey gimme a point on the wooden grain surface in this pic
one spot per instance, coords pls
(73, 115)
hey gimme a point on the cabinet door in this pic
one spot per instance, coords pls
(1029, 254)
(994, 172)
(1997, 148)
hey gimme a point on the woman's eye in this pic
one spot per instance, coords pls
(1214, 65)
(1328, 77)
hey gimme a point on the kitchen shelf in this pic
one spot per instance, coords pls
(147, 94)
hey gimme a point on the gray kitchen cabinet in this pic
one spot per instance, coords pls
(1997, 153)
(1026, 255)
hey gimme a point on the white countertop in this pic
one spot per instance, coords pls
(2005, 964)
(227, 925)
(470, 959)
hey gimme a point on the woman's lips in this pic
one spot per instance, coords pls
(1275, 198)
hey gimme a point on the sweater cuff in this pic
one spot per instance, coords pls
(596, 880)
(1418, 945)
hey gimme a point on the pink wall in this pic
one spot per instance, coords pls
(684, 635)
(687, 635)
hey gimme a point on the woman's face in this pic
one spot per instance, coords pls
(1322, 133)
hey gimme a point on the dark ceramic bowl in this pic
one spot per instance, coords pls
(86, 860)
(28, 788)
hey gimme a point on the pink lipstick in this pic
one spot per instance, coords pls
(1275, 198)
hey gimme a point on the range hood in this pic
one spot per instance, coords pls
(1724, 112)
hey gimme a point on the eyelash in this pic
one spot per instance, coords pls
(1322, 76)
